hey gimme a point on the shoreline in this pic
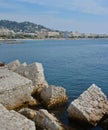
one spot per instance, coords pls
(22, 41)
(53, 39)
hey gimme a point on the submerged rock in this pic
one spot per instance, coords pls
(13, 65)
(33, 72)
(53, 96)
(104, 121)
(90, 107)
(47, 121)
(104, 124)
(11, 120)
(15, 90)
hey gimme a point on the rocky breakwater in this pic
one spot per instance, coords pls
(17, 84)
(21, 83)
(50, 95)
(90, 107)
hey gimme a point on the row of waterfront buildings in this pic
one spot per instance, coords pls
(44, 33)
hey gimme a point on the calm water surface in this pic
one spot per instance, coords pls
(73, 64)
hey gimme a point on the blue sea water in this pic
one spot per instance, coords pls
(73, 64)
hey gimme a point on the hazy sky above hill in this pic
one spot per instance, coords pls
(68, 15)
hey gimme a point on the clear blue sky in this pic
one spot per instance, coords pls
(88, 16)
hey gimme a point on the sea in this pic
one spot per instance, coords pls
(73, 64)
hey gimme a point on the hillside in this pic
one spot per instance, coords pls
(26, 27)
(23, 30)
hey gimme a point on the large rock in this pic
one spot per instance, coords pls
(13, 65)
(11, 120)
(53, 96)
(90, 107)
(14, 89)
(33, 72)
(46, 121)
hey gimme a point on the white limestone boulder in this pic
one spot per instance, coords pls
(15, 90)
(47, 121)
(13, 65)
(11, 120)
(33, 72)
(53, 96)
(90, 107)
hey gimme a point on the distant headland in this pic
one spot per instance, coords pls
(28, 30)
